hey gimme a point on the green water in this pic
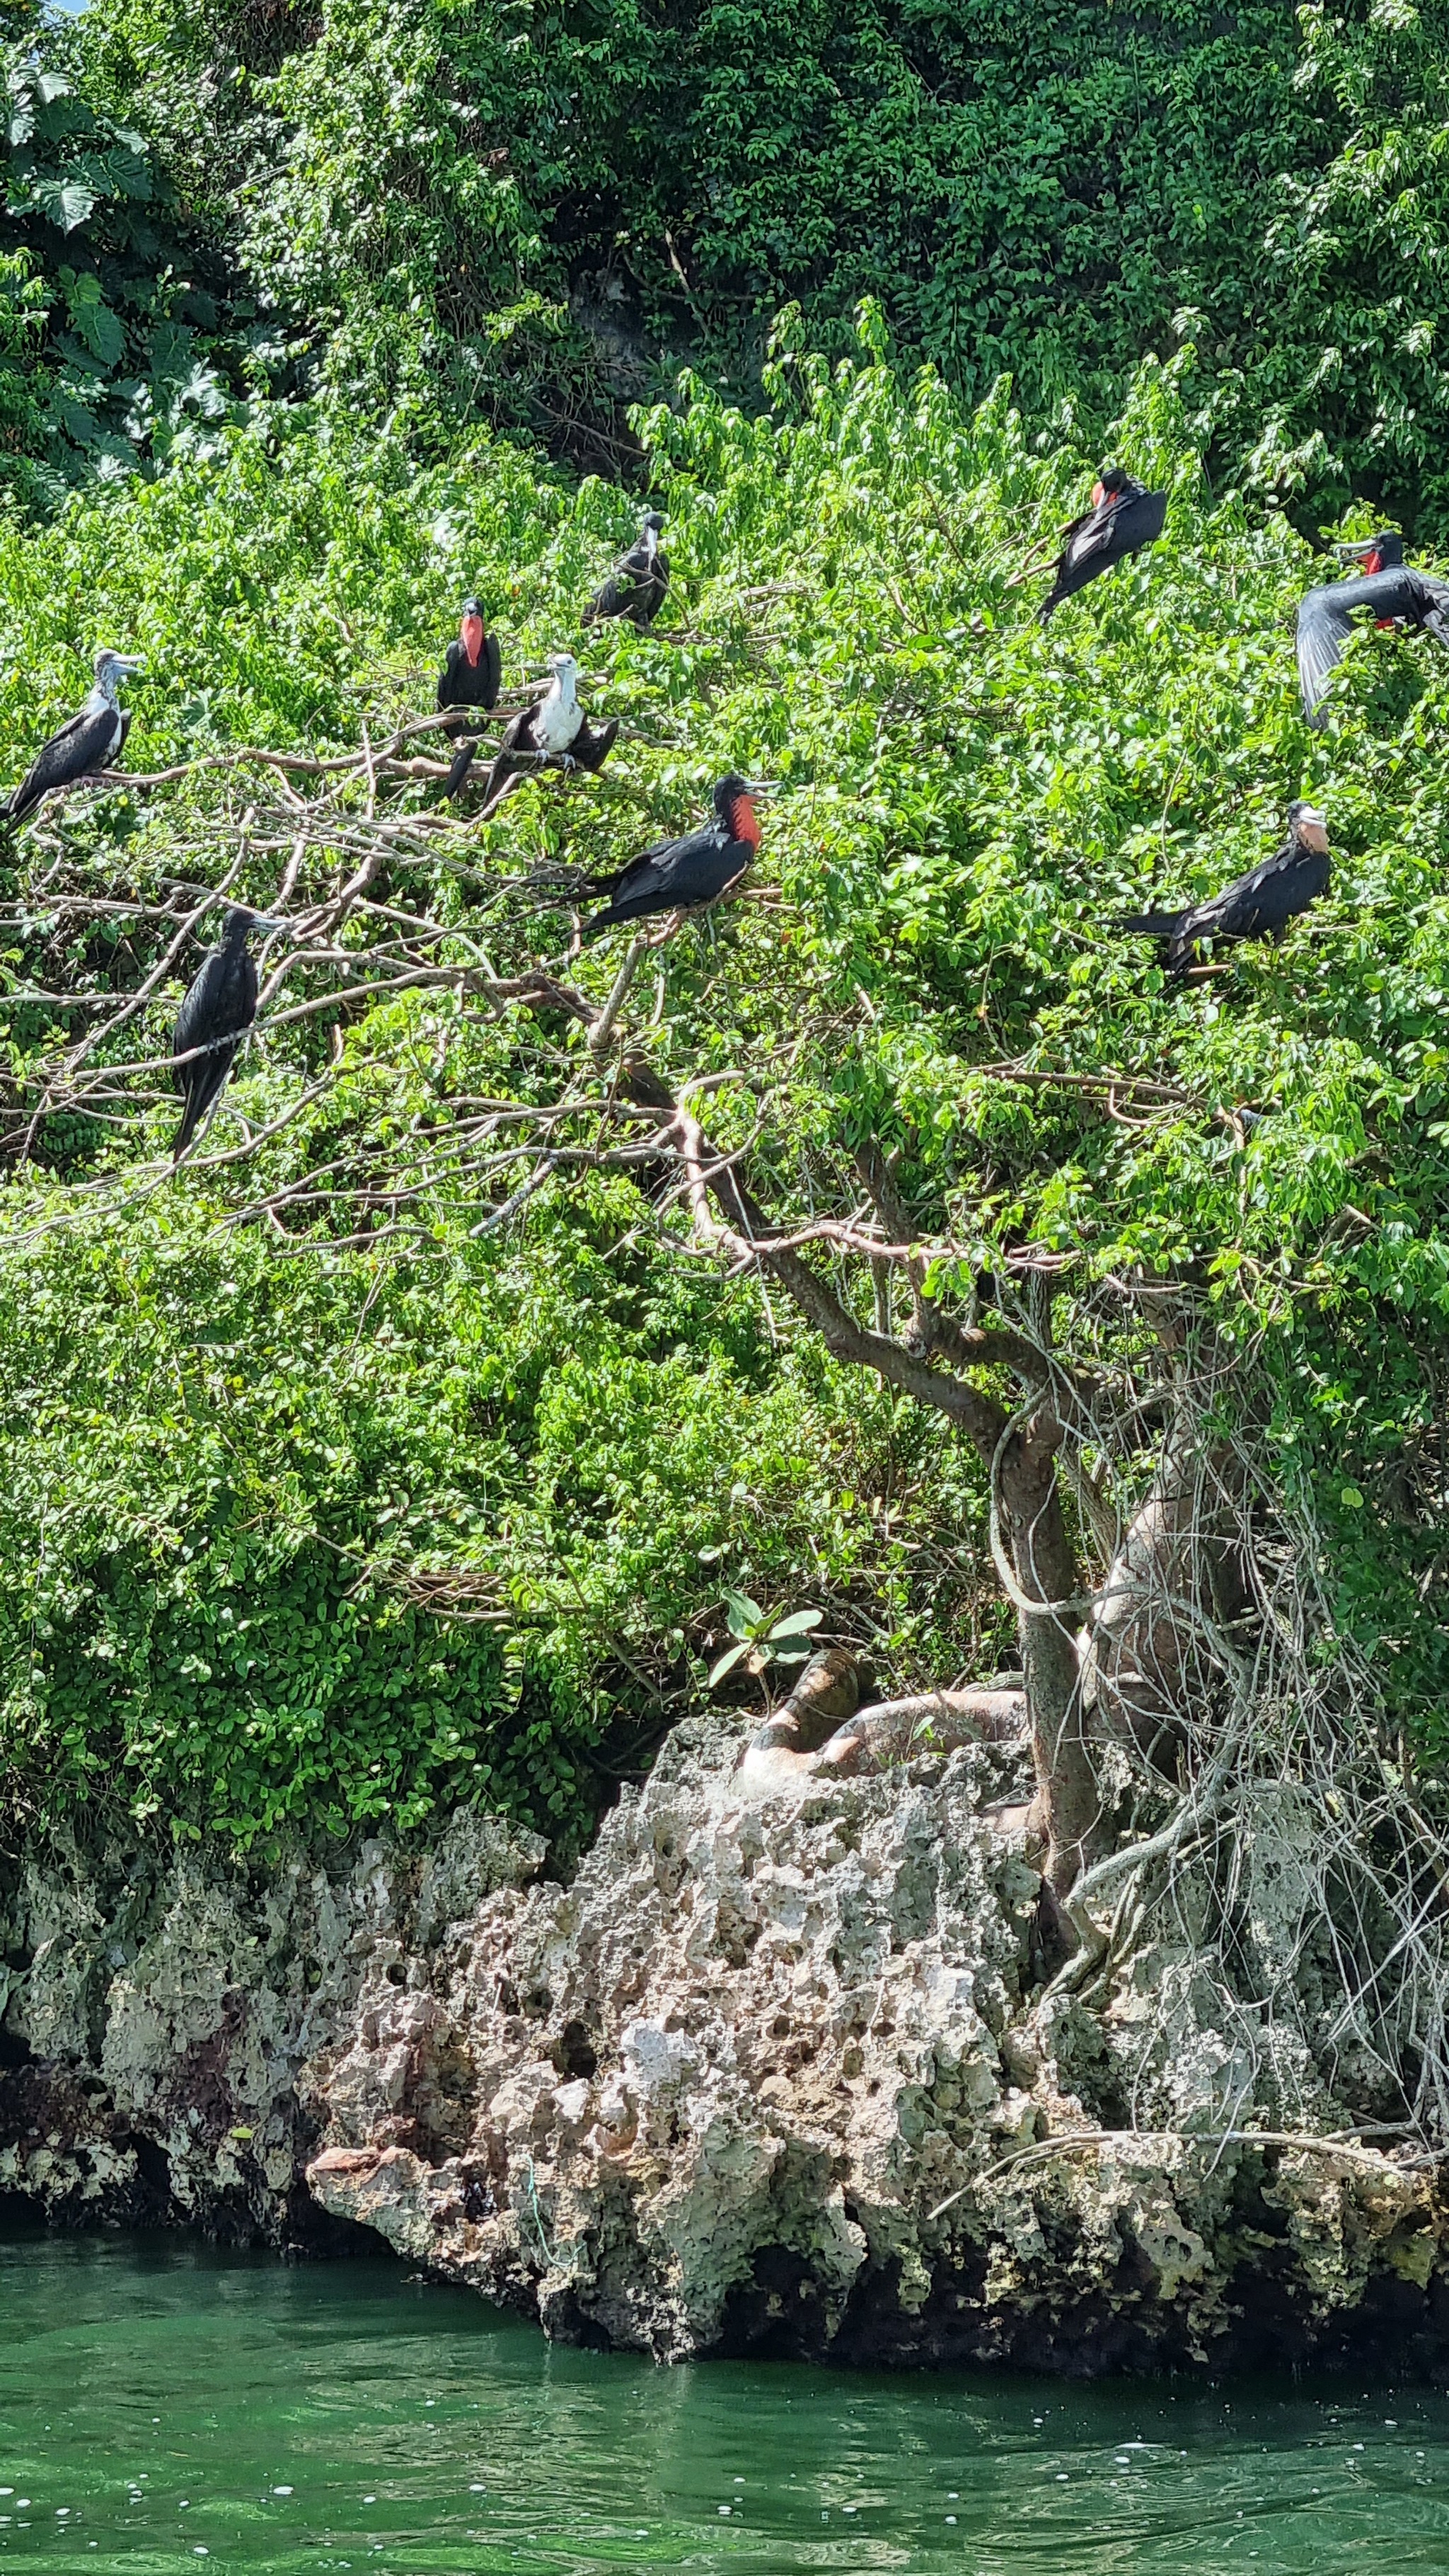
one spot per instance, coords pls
(169, 2409)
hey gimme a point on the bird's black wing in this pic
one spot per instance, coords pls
(217, 1010)
(120, 741)
(1324, 626)
(1268, 896)
(445, 676)
(589, 749)
(677, 877)
(492, 671)
(630, 589)
(617, 880)
(82, 745)
(508, 759)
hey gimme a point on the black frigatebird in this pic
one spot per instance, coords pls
(1258, 906)
(471, 676)
(91, 739)
(553, 734)
(635, 588)
(1124, 517)
(215, 1015)
(677, 876)
(1388, 587)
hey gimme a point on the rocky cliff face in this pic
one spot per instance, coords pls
(155, 2016)
(784, 2069)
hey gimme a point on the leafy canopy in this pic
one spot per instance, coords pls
(327, 1512)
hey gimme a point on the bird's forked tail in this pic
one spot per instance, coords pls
(1155, 925)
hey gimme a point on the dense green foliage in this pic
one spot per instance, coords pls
(109, 307)
(460, 196)
(403, 1490)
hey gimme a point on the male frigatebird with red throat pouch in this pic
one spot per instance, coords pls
(679, 876)
(1124, 517)
(1391, 590)
(1256, 906)
(471, 676)
(553, 734)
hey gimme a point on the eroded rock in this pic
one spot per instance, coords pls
(791, 2072)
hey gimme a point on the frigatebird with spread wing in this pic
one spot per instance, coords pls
(1393, 593)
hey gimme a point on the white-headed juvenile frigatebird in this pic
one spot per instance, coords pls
(1388, 587)
(554, 734)
(635, 588)
(676, 876)
(215, 1015)
(471, 676)
(1124, 517)
(91, 739)
(1258, 906)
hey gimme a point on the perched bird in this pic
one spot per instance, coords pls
(218, 1009)
(1387, 586)
(90, 740)
(674, 876)
(554, 734)
(1259, 906)
(636, 586)
(471, 676)
(1124, 517)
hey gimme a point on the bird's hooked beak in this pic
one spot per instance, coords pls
(1358, 548)
(265, 923)
(762, 787)
(1310, 824)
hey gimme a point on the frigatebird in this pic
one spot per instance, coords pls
(471, 676)
(1387, 586)
(553, 734)
(1124, 517)
(93, 738)
(676, 876)
(635, 588)
(215, 1015)
(1257, 906)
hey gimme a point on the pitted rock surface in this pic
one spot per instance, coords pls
(792, 2072)
(151, 2042)
(787, 2075)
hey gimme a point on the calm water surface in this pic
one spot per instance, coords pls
(166, 2410)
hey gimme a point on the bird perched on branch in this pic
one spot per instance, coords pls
(1124, 517)
(635, 588)
(93, 738)
(1390, 589)
(554, 734)
(676, 876)
(218, 1009)
(1258, 906)
(471, 676)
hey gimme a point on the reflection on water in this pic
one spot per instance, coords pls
(164, 2406)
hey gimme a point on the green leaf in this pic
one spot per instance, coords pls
(727, 1662)
(67, 202)
(797, 1623)
(743, 1617)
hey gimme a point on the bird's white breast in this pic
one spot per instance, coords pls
(558, 719)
